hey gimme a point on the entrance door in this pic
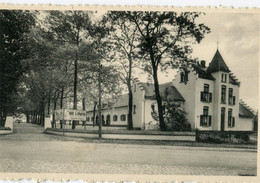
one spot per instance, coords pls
(222, 127)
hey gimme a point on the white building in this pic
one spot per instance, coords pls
(209, 96)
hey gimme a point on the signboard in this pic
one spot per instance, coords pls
(70, 114)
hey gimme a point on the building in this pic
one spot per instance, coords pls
(208, 94)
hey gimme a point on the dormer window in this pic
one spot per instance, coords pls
(184, 76)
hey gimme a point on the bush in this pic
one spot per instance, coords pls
(243, 136)
(174, 117)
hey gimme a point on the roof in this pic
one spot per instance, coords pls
(202, 73)
(244, 111)
(233, 81)
(122, 101)
(217, 64)
(167, 91)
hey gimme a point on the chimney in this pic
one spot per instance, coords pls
(203, 63)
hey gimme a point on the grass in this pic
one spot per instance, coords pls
(124, 131)
(151, 142)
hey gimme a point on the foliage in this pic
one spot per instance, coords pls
(164, 40)
(14, 25)
(174, 117)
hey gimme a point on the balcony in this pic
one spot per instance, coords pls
(205, 97)
(232, 100)
(205, 120)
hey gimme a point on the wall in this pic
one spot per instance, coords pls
(112, 111)
(188, 92)
(200, 104)
(139, 102)
(244, 124)
(218, 105)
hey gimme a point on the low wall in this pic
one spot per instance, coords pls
(241, 137)
(129, 135)
(4, 132)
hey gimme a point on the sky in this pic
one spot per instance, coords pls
(238, 42)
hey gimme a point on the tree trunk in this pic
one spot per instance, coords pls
(27, 117)
(49, 104)
(94, 113)
(130, 97)
(83, 103)
(1, 115)
(75, 88)
(157, 91)
(61, 97)
(53, 114)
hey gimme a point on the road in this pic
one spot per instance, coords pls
(29, 150)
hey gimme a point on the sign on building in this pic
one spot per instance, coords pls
(70, 114)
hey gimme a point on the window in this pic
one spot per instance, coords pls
(87, 119)
(92, 118)
(205, 96)
(224, 78)
(223, 94)
(205, 111)
(134, 109)
(115, 118)
(205, 119)
(184, 76)
(231, 98)
(206, 88)
(134, 87)
(152, 106)
(231, 119)
(123, 117)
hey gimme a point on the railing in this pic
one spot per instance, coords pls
(205, 120)
(205, 96)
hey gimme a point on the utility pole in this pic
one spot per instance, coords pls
(99, 101)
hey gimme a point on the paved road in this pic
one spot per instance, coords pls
(30, 150)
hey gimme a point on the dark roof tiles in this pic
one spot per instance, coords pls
(244, 111)
(217, 64)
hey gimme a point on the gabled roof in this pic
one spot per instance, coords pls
(217, 64)
(167, 91)
(245, 111)
(202, 73)
(122, 101)
(233, 81)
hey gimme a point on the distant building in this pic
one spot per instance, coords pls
(209, 96)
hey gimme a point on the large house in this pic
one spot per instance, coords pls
(208, 94)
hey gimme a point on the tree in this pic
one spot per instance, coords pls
(13, 45)
(124, 40)
(71, 27)
(165, 39)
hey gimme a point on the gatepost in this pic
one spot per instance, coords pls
(47, 122)
(9, 122)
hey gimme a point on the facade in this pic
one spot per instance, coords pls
(209, 96)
